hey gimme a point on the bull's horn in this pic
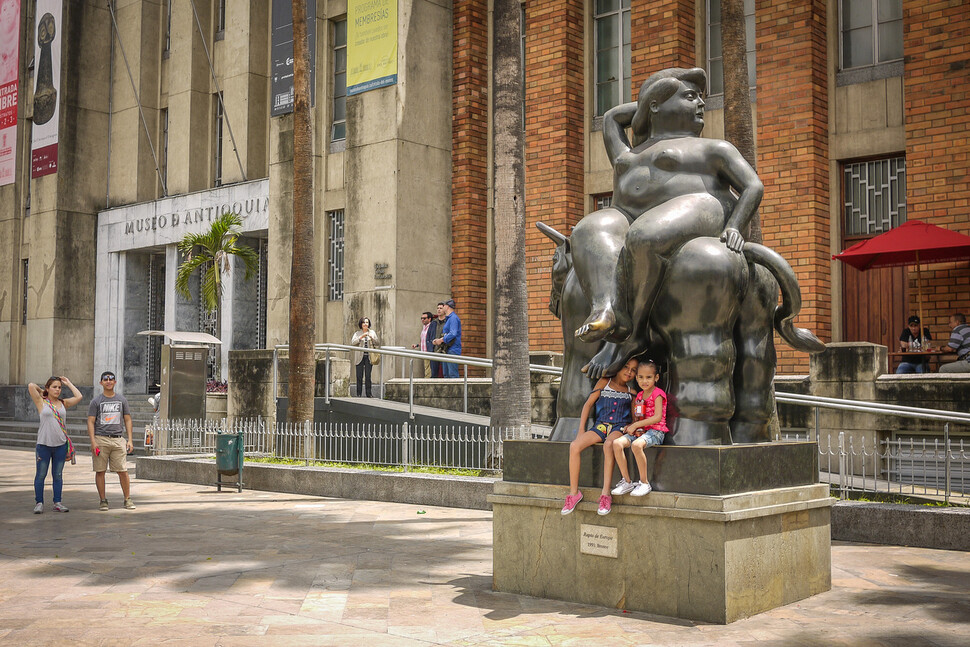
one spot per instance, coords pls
(553, 235)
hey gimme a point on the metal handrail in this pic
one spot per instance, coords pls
(410, 355)
(872, 407)
(780, 396)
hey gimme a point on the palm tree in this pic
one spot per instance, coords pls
(737, 99)
(211, 252)
(302, 267)
(511, 393)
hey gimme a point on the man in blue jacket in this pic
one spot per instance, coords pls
(450, 337)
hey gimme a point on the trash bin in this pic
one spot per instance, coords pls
(229, 458)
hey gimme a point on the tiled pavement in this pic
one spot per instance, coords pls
(192, 566)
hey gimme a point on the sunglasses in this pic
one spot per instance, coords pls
(108, 378)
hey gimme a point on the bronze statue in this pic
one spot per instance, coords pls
(45, 94)
(665, 271)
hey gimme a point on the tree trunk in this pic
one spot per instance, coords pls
(511, 393)
(302, 273)
(737, 98)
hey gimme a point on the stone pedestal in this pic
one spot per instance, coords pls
(714, 557)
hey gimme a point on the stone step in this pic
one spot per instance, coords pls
(15, 433)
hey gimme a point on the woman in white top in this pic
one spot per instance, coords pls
(51, 436)
(365, 338)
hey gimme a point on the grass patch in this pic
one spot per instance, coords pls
(413, 469)
(878, 497)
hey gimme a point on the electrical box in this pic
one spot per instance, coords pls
(183, 382)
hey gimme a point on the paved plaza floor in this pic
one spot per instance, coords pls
(192, 566)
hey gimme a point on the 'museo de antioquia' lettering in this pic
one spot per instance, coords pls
(195, 216)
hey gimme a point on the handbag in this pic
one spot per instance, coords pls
(375, 358)
(70, 446)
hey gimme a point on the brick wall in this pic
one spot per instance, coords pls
(936, 47)
(662, 35)
(793, 155)
(469, 180)
(554, 155)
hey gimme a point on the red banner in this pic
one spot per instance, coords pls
(9, 73)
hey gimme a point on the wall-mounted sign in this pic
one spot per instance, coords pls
(281, 72)
(47, 71)
(371, 44)
(597, 540)
(167, 220)
(9, 80)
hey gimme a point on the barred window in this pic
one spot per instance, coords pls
(874, 196)
(871, 31)
(715, 51)
(335, 261)
(23, 319)
(611, 55)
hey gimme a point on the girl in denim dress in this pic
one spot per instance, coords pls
(612, 399)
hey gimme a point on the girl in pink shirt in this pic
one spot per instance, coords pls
(648, 428)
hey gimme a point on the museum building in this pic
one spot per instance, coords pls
(166, 113)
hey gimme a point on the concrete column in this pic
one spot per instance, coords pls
(171, 299)
(132, 167)
(132, 372)
(190, 115)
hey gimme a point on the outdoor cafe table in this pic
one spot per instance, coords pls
(916, 357)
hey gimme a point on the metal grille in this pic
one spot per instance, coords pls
(208, 323)
(874, 196)
(335, 260)
(156, 321)
(404, 445)
(261, 294)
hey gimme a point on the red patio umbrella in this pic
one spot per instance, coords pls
(911, 243)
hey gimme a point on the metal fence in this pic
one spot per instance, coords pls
(934, 467)
(407, 446)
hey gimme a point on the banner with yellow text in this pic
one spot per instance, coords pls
(371, 44)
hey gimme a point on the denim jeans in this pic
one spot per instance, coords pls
(45, 456)
(451, 370)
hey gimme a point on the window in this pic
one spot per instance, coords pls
(611, 59)
(221, 19)
(603, 200)
(23, 318)
(715, 63)
(872, 32)
(335, 260)
(217, 141)
(163, 149)
(168, 28)
(339, 129)
(874, 196)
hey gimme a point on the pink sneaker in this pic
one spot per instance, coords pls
(606, 504)
(571, 501)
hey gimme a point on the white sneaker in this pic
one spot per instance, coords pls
(641, 489)
(38, 508)
(623, 487)
(60, 507)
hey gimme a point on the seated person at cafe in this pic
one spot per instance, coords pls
(910, 341)
(960, 344)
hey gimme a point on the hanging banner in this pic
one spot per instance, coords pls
(47, 71)
(371, 44)
(9, 80)
(281, 70)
